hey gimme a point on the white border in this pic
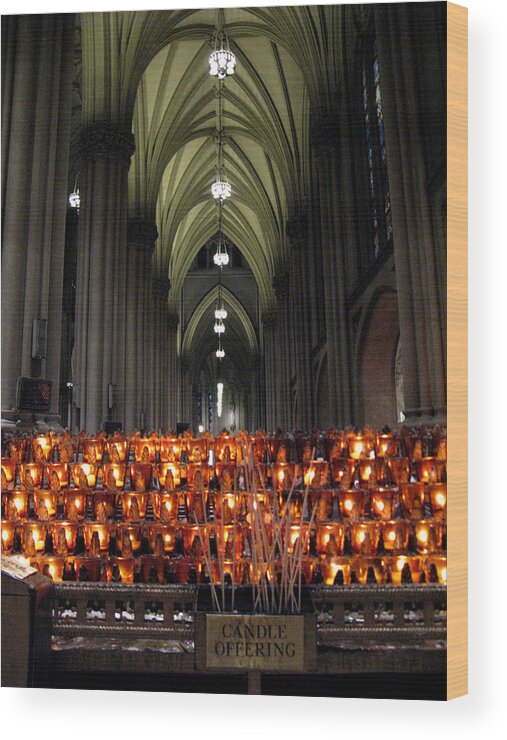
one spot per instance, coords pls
(99, 715)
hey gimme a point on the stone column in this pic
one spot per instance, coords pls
(297, 234)
(326, 146)
(37, 68)
(283, 415)
(101, 271)
(416, 253)
(141, 238)
(161, 288)
(173, 389)
(269, 321)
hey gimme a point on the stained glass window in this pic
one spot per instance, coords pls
(378, 177)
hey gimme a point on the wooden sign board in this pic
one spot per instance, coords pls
(256, 642)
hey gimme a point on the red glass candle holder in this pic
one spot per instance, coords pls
(195, 541)
(225, 449)
(18, 449)
(165, 506)
(117, 449)
(225, 507)
(170, 449)
(87, 569)
(438, 499)
(226, 476)
(8, 473)
(30, 475)
(382, 501)
(42, 448)
(165, 533)
(198, 477)
(428, 536)
(64, 537)
(84, 475)
(104, 505)
(352, 504)
(439, 563)
(45, 504)
(57, 475)
(74, 504)
(145, 449)
(330, 539)
(33, 538)
(283, 476)
(120, 570)
(397, 563)
(342, 472)
(93, 449)
(8, 532)
(412, 499)
(386, 445)
(399, 470)
(150, 565)
(395, 536)
(135, 535)
(431, 470)
(134, 506)
(197, 450)
(364, 537)
(360, 446)
(229, 541)
(361, 566)
(141, 476)
(15, 504)
(51, 566)
(331, 567)
(113, 476)
(104, 534)
(372, 473)
(323, 500)
(316, 474)
(168, 475)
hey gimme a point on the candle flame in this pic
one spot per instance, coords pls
(5, 535)
(440, 499)
(422, 535)
(401, 563)
(168, 538)
(392, 535)
(380, 505)
(18, 503)
(444, 574)
(361, 536)
(349, 504)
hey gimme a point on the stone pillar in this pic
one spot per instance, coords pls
(161, 286)
(283, 412)
(269, 321)
(326, 146)
(141, 238)
(175, 391)
(416, 253)
(37, 68)
(297, 234)
(101, 271)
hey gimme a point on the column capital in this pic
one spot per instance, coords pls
(270, 318)
(172, 321)
(141, 234)
(281, 284)
(104, 139)
(297, 230)
(161, 286)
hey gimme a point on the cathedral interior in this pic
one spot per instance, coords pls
(228, 222)
(331, 135)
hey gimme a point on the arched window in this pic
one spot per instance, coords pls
(378, 177)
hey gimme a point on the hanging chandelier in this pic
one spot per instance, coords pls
(74, 197)
(220, 311)
(220, 391)
(220, 353)
(221, 60)
(221, 257)
(219, 327)
(221, 188)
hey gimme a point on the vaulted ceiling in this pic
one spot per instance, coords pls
(287, 62)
